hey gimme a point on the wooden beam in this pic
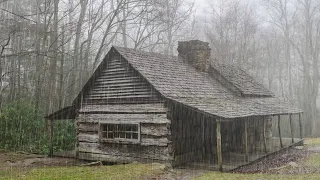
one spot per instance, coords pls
(291, 128)
(300, 125)
(279, 128)
(264, 136)
(246, 148)
(50, 123)
(203, 134)
(219, 150)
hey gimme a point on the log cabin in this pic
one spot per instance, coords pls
(186, 110)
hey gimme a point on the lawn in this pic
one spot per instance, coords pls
(307, 168)
(312, 142)
(231, 176)
(123, 172)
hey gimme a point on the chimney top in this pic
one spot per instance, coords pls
(195, 52)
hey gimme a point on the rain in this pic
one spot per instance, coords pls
(159, 89)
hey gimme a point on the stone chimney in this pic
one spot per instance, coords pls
(195, 52)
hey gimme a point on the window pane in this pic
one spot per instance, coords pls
(111, 127)
(134, 135)
(124, 131)
(121, 135)
(104, 128)
(116, 135)
(135, 128)
(128, 136)
(104, 134)
(129, 127)
(110, 135)
(122, 127)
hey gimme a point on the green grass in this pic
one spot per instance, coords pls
(121, 172)
(312, 142)
(231, 176)
(313, 160)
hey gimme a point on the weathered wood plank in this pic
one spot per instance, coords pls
(120, 91)
(88, 127)
(246, 148)
(129, 88)
(219, 150)
(117, 78)
(132, 84)
(147, 141)
(141, 108)
(146, 129)
(279, 128)
(116, 73)
(120, 98)
(124, 69)
(117, 159)
(137, 151)
(155, 129)
(145, 93)
(118, 81)
(291, 128)
(124, 118)
(91, 138)
(300, 126)
(122, 101)
(264, 136)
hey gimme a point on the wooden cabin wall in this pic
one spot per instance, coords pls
(154, 145)
(120, 95)
(119, 83)
(193, 134)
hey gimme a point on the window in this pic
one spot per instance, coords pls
(126, 132)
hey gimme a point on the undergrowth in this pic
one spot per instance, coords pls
(21, 129)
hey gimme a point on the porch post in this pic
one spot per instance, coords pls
(300, 124)
(219, 151)
(279, 128)
(50, 123)
(264, 136)
(291, 128)
(246, 140)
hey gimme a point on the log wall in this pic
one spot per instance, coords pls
(119, 83)
(155, 142)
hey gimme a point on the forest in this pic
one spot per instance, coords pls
(49, 49)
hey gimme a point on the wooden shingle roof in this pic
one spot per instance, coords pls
(177, 80)
(247, 85)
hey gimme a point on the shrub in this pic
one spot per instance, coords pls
(23, 130)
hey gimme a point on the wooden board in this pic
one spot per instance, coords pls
(155, 129)
(145, 140)
(134, 151)
(116, 159)
(140, 108)
(125, 118)
(146, 129)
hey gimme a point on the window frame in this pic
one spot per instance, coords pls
(118, 140)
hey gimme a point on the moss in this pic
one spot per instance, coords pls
(123, 172)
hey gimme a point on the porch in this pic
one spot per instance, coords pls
(234, 160)
(228, 144)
